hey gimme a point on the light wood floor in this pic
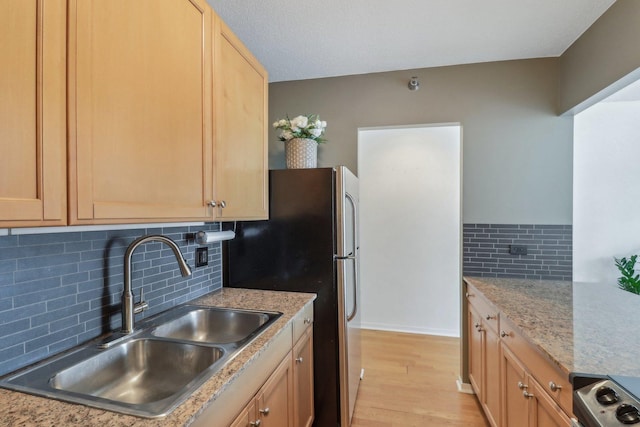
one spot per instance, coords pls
(410, 380)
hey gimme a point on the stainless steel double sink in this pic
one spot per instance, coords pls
(150, 372)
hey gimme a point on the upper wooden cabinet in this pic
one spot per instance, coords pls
(32, 113)
(240, 111)
(140, 108)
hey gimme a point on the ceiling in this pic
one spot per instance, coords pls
(303, 39)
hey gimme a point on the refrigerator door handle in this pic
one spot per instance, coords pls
(356, 240)
(355, 298)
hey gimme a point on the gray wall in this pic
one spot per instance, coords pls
(606, 53)
(517, 152)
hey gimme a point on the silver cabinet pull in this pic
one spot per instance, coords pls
(527, 395)
(554, 387)
(299, 360)
(255, 423)
(467, 294)
(503, 334)
(215, 203)
(489, 317)
(307, 321)
(264, 411)
(522, 386)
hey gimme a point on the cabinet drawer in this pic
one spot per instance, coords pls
(554, 382)
(302, 321)
(489, 313)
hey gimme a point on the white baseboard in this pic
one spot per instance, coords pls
(411, 329)
(464, 387)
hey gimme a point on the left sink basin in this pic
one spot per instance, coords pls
(140, 376)
(140, 371)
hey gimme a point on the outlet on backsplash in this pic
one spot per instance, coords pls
(517, 249)
(202, 257)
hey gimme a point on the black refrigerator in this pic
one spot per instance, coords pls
(310, 244)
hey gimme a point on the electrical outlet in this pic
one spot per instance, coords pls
(517, 249)
(202, 256)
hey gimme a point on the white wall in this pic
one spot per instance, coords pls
(606, 204)
(410, 235)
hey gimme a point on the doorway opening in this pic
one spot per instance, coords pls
(411, 238)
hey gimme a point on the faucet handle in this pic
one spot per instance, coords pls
(142, 305)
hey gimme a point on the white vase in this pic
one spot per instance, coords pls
(301, 153)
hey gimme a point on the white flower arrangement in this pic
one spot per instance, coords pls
(310, 127)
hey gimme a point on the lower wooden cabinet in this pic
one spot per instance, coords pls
(525, 402)
(271, 406)
(512, 384)
(484, 359)
(276, 389)
(543, 411)
(515, 384)
(303, 380)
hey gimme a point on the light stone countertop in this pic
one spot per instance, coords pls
(590, 328)
(20, 409)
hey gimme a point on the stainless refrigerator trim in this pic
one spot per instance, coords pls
(347, 260)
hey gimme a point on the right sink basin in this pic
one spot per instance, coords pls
(216, 325)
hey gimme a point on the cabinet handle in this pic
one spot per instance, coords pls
(307, 321)
(554, 387)
(477, 325)
(213, 204)
(299, 360)
(503, 334)
(522, 386)
(527, 395)
(489, 317)
(467, 294)
(264, 411)
(255, 423)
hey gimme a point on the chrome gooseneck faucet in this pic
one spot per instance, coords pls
(129, 308)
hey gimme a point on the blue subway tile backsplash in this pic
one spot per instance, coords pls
(549, 251)
(59, 290)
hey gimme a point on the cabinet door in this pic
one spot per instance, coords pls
(491, 380)
(476, 338)
(513, 385)
(303, 380)
(140, 100)
(247, 417)
(543, 411)
(241, 130)
(32, 113)
(275, 399)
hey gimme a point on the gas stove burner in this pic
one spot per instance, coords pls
(627, 414)
(606, 395)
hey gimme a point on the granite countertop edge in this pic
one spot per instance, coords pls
(581, 327)
(541, 316)
(21, 409)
